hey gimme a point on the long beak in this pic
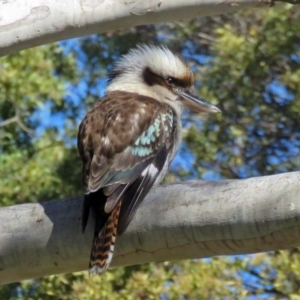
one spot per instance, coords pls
(195, 103)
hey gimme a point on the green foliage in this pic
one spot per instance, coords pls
(252, 78)
(32, 164)
(195, 279)
(247, 63)
(28, 80)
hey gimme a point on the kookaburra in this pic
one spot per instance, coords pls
(128, 139)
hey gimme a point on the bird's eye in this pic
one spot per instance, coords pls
(169, 81)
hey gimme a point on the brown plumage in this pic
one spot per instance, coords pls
(104, 240)
(129, 138)
(115, 177)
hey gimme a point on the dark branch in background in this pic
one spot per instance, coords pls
(16, 119)
(272, 290)
(9, 121)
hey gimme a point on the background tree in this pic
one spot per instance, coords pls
(247, 64)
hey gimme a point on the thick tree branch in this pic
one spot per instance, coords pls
(29, 23)
(181, 221)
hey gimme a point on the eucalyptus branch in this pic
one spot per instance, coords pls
(36, 22)
(179, 221)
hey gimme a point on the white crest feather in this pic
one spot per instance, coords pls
(160, 60)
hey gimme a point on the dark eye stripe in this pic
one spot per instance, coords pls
(151, 79)
(182, 82)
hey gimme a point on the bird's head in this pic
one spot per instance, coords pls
(156, 72)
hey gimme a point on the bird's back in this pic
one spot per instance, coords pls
(124, 142)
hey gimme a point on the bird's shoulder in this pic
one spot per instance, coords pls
(120, 103)
(119, 119)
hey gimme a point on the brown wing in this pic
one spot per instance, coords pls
(123, 142)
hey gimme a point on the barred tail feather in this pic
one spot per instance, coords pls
(104, 243)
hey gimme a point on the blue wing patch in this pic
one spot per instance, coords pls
(150, 139)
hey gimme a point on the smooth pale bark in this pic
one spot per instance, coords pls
(180, 221)
(29, 23)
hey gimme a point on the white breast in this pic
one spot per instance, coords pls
(171, 155)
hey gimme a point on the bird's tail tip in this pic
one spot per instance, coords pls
(104, 244)
(97, 270)
(99, 266)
